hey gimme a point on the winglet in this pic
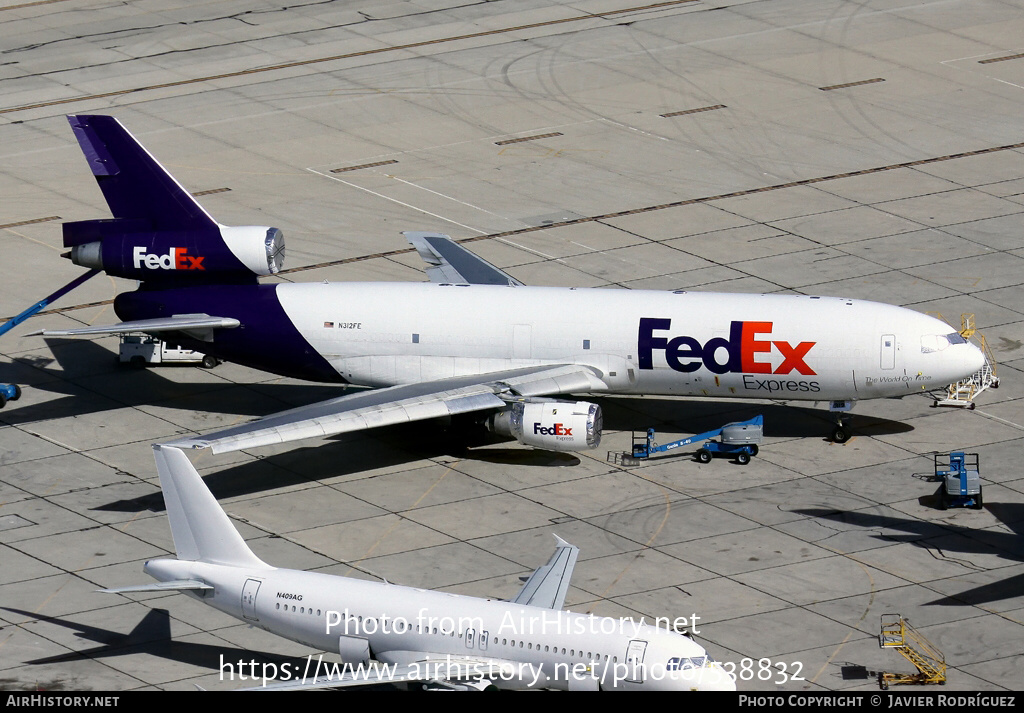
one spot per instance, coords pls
(548, 585)
(201, 530)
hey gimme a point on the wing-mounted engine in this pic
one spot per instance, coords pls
(550, 425)
(213, 255)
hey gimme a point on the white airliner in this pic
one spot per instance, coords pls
(389, 633)
(474, 339)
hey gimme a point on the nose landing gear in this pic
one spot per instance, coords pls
(841, 433)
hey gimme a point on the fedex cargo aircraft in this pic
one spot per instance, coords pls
(473, 340)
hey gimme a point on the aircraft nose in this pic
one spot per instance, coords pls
(974, 360)
(716, 678)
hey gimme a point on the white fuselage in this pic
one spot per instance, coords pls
(638, 342)
(460, 636)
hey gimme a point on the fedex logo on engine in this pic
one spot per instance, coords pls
(556, 430)
(739, 353)
(176, 259)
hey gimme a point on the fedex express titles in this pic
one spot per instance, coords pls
(737, 354)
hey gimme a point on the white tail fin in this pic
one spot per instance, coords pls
(201, 530)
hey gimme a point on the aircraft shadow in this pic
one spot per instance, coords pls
(89, 381)
(346, 454)
(389, 446)
(697, 416)
(968, 542)
(152, 635)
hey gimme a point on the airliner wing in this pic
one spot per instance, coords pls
(547, 586)
(449, 262)
(200, 326)
(400, 404)
(442, 670)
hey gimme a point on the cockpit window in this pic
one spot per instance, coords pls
(682, 664)
(937, 342)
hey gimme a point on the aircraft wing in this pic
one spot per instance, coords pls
(200, 326)
(443, 670)
(547, 586)
(449, 262)
(400, 404)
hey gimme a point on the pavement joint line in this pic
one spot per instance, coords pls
(1001, 420)
(588, 219)
(347, 55)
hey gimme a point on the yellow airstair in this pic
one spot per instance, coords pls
(897, 633)
(962, 393)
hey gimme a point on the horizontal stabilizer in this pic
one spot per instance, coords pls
(174, 585)
(450, 263)
(200, 325)
(548, 585)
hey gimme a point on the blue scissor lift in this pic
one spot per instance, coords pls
(738, 439)
(961, 480)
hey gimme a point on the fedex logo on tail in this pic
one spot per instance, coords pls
(737, 354)
(176, 259)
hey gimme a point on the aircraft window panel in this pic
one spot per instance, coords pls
(586, 344)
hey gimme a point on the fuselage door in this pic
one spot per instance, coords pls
(635, 652)
(249, 599)
(888, 351)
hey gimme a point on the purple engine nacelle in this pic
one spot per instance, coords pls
(120, 248)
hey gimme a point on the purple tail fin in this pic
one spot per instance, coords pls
(135, 185)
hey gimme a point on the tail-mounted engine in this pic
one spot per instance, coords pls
(114, 247)
(550, 425)
(159, 232)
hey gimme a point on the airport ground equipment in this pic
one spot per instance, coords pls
(738, 439)
(9, 392)
(12, 392)
(897, 633)
(962, 393)
(139, 349)
(961, 479)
